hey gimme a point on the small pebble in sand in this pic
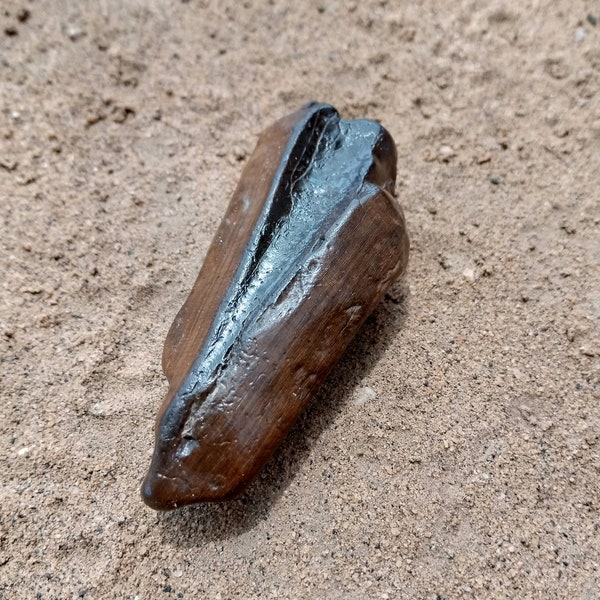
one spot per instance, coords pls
(364, 395)
(469, 274)
(23, 15)
(73, 32)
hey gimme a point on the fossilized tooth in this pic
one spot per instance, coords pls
(310, 242)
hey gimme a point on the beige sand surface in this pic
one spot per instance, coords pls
(455, 450)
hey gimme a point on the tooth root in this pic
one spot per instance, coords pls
(310, 242)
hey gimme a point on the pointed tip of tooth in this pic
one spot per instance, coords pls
(156, 494)
(167, 493)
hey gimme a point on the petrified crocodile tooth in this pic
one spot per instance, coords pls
(310, 242)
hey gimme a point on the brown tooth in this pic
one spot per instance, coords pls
(310, 242)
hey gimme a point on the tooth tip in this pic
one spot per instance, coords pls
(163, 493)
(152, 493)
(166, 493)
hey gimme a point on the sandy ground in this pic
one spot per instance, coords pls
(455, 450)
